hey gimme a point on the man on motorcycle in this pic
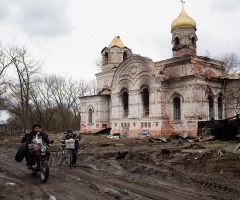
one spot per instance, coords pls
(33, 138)
(25, 137)
(70, 134)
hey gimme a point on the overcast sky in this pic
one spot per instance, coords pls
(68, 35)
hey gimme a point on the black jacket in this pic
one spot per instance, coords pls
(33, 134)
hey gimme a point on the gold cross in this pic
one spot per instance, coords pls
(182, 4)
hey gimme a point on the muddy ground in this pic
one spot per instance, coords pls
(191, 171)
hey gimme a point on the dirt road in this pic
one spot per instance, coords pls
(143, 174)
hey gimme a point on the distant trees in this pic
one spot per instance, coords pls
(18, 94)
(231, 60)
(232, 63)
(53, 102)
(5, 62)
(98, 63)
(56, 102)
(31, 97)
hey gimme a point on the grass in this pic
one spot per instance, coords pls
(228, 157)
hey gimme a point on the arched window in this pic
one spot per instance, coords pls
(145, 100)
(90, 115)
(106, 58)
(176, 108)
(211, 107)
(125, 103)
(176, 41)
(124, 55)
(193, 40)
(220, 108)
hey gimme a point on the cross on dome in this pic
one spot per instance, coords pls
(183, 2)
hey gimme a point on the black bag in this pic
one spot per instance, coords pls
(24, 139)
(22, 152)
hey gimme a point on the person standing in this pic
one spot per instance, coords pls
(71, 135)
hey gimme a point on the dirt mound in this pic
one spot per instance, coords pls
(194, 146)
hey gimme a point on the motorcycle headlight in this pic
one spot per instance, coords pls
(43, 148)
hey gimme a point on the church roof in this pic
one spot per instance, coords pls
(183, 20)
(116, 42)
(106, 91)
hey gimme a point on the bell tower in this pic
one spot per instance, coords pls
(114, 54)
(184, 38)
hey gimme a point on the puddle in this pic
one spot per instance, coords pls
(52, 197)
(3, 176)
(94, 167)
(9, 183)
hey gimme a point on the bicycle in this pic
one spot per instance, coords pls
(65, 150)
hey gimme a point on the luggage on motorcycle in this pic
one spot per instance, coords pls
(22, 152)
(24, 138)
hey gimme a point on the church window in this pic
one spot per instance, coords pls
(176, 108)
(125, 103)
(193, 40)
(124, 55)
(176, 41)
(145, 100)
(220, 108)
(90, 115)
(211, 107)
(104, 126)
(106, 58)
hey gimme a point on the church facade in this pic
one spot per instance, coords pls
(135, 93)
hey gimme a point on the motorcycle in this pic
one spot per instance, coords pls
(40, 161)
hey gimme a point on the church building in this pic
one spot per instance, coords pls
(134, 93)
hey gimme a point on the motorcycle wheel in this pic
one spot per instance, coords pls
(44, 173)
(34, 172)
(34, 169)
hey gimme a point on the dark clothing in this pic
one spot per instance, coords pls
(22, 152)
(76, 137)
(75, 156)
(32, 135)
(24, 138)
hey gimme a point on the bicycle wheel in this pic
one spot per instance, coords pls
(60, 157)
(70, 158)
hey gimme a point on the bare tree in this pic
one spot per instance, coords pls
(5, 62)
(19, 97)
(208, 54)
(54, 102)
(98, 63)
(92, 87)
(232, 63)
(43, 108)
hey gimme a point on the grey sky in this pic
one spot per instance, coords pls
(68, 35)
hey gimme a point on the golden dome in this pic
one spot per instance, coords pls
(183, 20)
(116, 42)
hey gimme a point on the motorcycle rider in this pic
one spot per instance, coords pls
(33, 138)
(70, 134)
